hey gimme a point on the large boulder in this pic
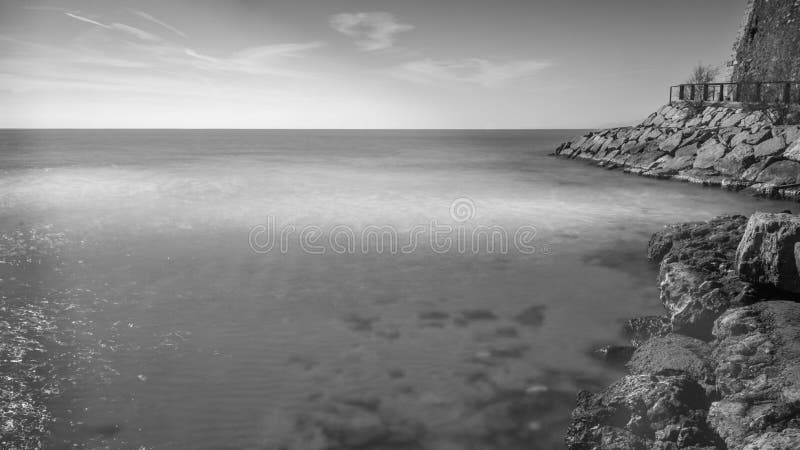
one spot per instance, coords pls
(757, 358)
(769, 252)
(737, 161)
(770, 147)
(709, 154)
(642, 412)
(793, 151)
(780, 173)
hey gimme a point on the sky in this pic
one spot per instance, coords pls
(476, 64)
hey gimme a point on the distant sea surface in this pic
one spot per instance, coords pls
(180, 327)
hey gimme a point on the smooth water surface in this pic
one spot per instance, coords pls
(178, 334)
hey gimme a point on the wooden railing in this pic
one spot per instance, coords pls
(744, 92)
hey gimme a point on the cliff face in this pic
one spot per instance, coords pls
(767, 48)
(717, 146)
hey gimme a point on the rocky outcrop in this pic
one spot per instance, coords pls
(722, 368)
(757, 368)
(716, 146)
(642, 412)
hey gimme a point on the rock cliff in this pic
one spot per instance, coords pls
(755, 150)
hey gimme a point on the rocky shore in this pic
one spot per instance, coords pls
(721, 369)
(755, 149)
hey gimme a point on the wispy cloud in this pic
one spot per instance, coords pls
(169, 27)
(474, 70)
(130, 30)
(371, 30)
(87, 20)
(148, 49)
(262, 60)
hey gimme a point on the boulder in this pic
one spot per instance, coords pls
(770, 147)
(793, 151)
(789, 132)
(646, 158)
(780, 173)
(709, 154)
(674, 353)
(758, 137)
(737, 161)
(642, 412)
(733, 120)
(687, 150)
(769, 252)
(740, 137)
(671, 143)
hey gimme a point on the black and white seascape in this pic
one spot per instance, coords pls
(309, 225)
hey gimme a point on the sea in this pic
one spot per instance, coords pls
(277, 289)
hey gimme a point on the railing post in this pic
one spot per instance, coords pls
(681, 93)
(692, 92)
(787, 93)
(705, 92)
(721, 95)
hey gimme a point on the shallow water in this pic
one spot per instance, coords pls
(177, 333)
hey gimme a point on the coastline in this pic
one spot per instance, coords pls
(721, 369)
(736, 147)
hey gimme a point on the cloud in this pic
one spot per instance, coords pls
(372, 31)
(169, 27)
(88, 20)
(262, 60)
(472, 70)
(133, 31)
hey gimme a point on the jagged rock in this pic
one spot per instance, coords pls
(770, 147)
(692, 301)
(757, 358)
(642, 412)
(709, 154)
(769, 252)
(674, 353)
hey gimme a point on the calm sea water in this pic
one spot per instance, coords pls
(176, 333)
